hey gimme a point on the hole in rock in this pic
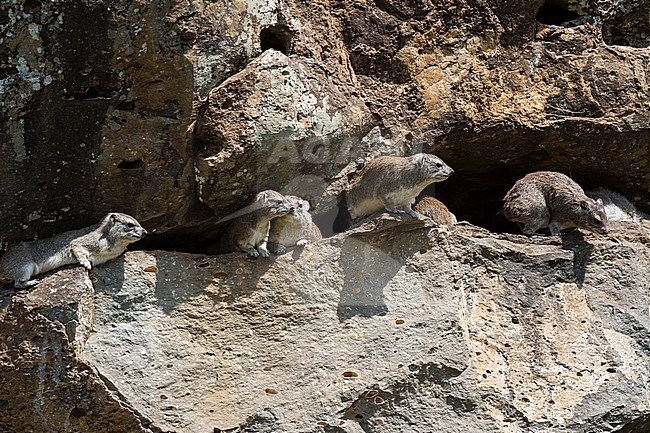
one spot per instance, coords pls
(32, 6)
(126, 106)
(78, 412)
(131, 165)
(631, 31)
(277, 37)
(556, 12)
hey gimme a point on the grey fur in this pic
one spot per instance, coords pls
(89, 247)
(250, 231)
(553, 200)
(294, 229)
(622, 214)
(393, 182)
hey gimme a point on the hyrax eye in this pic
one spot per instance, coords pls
(130, 225)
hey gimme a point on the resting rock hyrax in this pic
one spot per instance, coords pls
(435, 210)
(393, 182)
(621, 213)
(250, 231)
(293, 229)
(553, 200)
(89, 247)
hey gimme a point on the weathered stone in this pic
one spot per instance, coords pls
(390, 327)
(163, 110)
(44, 386)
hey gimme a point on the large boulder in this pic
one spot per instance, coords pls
(394, 326)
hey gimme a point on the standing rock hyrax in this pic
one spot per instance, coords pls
(250, 232)
(393, 182)
(293, 229)
(436, 210)
(89, 247)
(553, 200)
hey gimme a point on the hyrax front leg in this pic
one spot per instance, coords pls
(555, 228)
(394, 204)
(261, 248)
(249, 249)
(410, 211)
(82, 255)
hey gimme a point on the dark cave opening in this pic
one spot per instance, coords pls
(633, 31)
(136, 164)
(556, 12)
(277, 37)
(639, 425)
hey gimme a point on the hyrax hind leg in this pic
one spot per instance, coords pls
(529, 210)
(23, 275)
(536, 217)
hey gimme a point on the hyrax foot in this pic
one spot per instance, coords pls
(251, 252)
(413, 213)
(394, 211)
(264, 252)
(302, 242)
(25, 284)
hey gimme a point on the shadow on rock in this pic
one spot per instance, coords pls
(575, 241)
(370, 261)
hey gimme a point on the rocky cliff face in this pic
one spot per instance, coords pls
(178, 112)
(391, 327)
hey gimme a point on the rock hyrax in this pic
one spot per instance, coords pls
(89, 247)
(250, 231)
(436, 210)
(621, 213)
(393, 182)
(293, 229)
(553, 200)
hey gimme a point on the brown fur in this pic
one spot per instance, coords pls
(436, 211)
(89, 246)
(294, 229)
(392, 183)
(550, 199)
(250, 231)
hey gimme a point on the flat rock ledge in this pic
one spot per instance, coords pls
(394, 326)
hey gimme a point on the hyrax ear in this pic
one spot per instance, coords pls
(600, 203)
(263, 197)
(112, 217)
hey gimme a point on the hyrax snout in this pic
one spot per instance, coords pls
(392, 183)
(550, 199)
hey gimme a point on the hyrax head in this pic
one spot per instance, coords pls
(432, 167)
(299, 206)
(124, 226)
(273, 203)
(593, 216)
